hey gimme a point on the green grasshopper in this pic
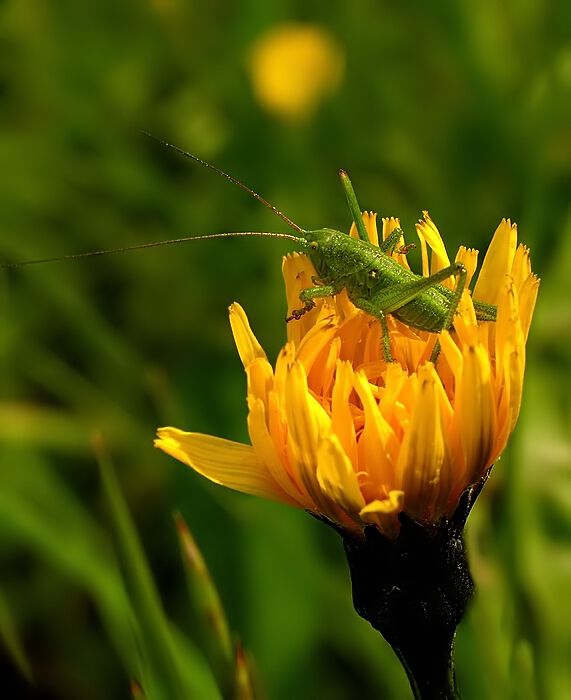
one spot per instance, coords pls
(375, 282)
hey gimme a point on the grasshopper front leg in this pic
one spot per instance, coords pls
(307, 296)
(390, 243)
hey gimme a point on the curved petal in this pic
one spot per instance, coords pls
(248, 347)
(315, 342)
(374, 441)
(427, 231)
(223, 461)
(384, 513)
(527, 299)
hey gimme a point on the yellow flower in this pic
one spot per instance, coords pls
(293, 67)
(340, 432)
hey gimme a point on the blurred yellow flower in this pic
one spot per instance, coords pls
(338, 431)
(293, 67)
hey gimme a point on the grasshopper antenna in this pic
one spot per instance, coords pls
(155, 244)
(233, 179)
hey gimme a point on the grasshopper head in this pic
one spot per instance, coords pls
(322, 248)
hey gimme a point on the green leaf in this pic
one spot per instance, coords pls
(175, 672)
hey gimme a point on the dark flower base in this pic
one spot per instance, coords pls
(415, 590)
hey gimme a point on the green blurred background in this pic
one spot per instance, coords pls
(461, 108)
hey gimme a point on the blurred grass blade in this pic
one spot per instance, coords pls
(41, 525)
(11, 639)
(208, 608)
(243, 679)
(173, 668)
(137, 691)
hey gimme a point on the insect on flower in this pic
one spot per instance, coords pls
(340, 429)
(373, 279)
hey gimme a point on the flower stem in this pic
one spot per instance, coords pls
(414, 590)
(430, 671)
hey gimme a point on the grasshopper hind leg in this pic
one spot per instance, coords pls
(373, 310)
(485, 312)
(453, 307)
(386, 340)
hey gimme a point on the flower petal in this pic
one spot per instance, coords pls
(384, 513)
(469, 258)
(260, 378)
(521, 266)
(341, 417)
(510, 353)
(315, 342)
(265, 449)
(423, 452)
(374, 458)
(527, 298)
(475, 412)
(336, 477)
(497, 262)
(428, 232)
(225, 462)
(307, 424)
(451, 352)
(248, 347)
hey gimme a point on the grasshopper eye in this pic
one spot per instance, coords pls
(373, 274)
(314, 245)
